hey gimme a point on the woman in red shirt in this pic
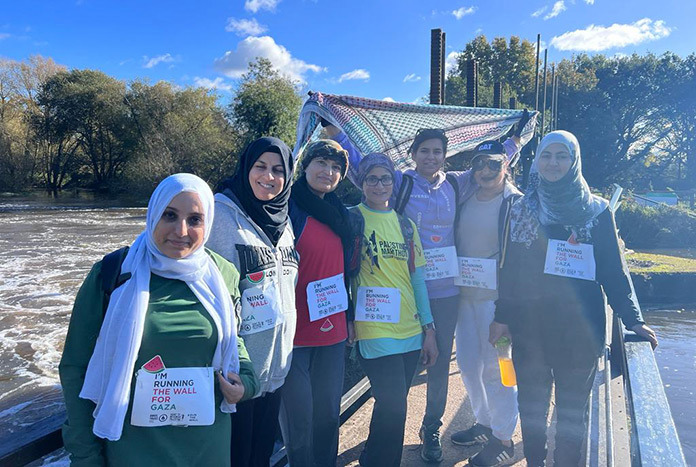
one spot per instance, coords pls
(311, 395)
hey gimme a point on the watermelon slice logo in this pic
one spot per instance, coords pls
(327, 326)
(436, 238)
(154, 365)
(256, 277)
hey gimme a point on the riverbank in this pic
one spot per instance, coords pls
(663, 278)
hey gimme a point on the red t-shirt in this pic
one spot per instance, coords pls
(321, 257)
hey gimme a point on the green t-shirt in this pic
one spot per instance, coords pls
(179, 330)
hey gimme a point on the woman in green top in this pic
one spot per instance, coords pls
(138, 379)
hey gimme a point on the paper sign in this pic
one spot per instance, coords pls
(175, 396)
(440, 263)
(259, 308)
(567, 259)
(326, 297)
(378, 304)
(477, 272)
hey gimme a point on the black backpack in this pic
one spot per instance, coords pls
(111, 277)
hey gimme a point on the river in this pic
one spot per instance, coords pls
(47, 248)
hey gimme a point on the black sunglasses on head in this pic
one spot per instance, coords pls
(494, 165)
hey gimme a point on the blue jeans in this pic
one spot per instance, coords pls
(311, 404)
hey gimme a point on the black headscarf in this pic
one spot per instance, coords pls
(271, 216)
(328, 210)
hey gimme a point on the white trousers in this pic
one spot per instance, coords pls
(494, 405)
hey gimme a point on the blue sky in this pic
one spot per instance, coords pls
(370, 48)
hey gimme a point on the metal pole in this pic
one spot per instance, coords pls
(555, 112)
(536, 74)
(436, 66)
(543, 105)
(553, 96)
(498, 95)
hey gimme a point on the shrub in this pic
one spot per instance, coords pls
(656, 227)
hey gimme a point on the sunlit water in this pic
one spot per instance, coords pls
(46, 251)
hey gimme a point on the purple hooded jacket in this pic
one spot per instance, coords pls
(431, 207)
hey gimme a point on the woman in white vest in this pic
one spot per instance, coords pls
(253, 232)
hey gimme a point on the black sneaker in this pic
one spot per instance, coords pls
(431, 450)
(493, 453)
(477, 434)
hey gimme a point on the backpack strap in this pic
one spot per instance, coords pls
(453, 181)
(404, 194)
(111, 272)
(407, 232)
(357, 222)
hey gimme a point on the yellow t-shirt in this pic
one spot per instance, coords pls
(384, 263)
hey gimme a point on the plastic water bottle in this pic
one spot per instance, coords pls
(507, 370)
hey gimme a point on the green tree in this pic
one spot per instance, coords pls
(19, 147)
(179, 131)
(266, 104)
(511, 62)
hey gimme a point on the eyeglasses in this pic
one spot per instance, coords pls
(373, 180)
(494, 165)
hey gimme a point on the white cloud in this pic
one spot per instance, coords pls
(598, 38)
(539, 12)
(154, 61)
(558, 8)
(4, 35)
(411, 78)
(451, 61)
(245, 27)
(256, 5)
(217, 83)
(388, 99)
(463, 11)
(234, 63)
(589, 2)
(355, 74)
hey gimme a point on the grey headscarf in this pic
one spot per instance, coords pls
(567, 202)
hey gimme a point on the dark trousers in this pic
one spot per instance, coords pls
(311, 405)
(543, 358)
(390, 378)
(254, 429)
(444, 311)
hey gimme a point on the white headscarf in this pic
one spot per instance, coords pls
(110, 370)
(568, 201)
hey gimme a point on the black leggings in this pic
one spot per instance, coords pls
(254, 430)
(390, 378)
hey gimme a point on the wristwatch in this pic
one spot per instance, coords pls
(428, 326)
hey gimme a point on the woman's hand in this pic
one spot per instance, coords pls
(645, 332)
(232, 390)
(351, 332)
(498, 330)
(429, 352)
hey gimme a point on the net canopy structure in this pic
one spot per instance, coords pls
(389, 127)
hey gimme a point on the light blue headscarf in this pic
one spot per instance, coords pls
(568, 201)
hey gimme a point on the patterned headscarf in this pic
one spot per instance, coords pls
(566, 202)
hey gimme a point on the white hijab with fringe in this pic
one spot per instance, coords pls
(111, 367)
